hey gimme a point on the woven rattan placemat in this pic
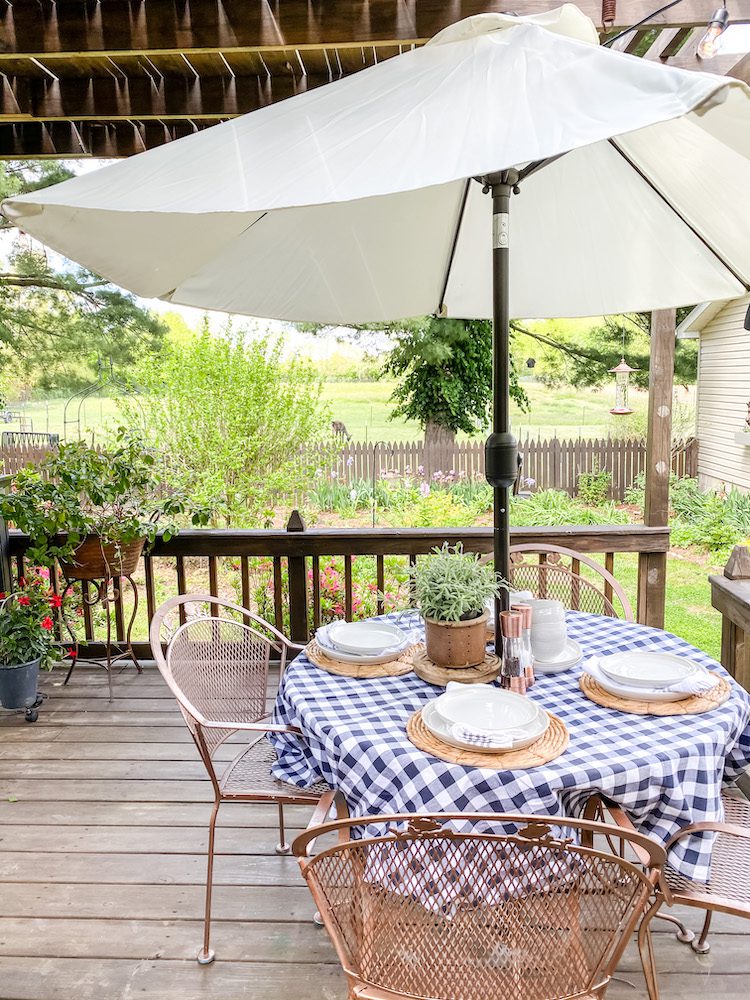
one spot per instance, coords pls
(433, 674)
(552, 744)
(393, 668)
(694, 705)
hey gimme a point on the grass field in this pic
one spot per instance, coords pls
(364, 408)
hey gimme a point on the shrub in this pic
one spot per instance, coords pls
(593, 487)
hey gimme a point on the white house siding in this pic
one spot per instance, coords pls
(723, 395)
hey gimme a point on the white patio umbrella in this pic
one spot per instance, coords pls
(367, 199)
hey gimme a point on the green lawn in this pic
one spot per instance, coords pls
(364, 407)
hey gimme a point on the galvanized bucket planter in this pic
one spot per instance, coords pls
(18, 688)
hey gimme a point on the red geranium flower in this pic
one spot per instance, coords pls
(3, 595)
(55, 601)
(47, 623)
(25, 601)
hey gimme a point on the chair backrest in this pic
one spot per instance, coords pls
(450, 906)
(216, 664)
(556, 574)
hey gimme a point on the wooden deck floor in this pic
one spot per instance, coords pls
(103, 813)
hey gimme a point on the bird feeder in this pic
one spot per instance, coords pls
(622, 381)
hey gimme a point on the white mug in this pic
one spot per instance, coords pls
(548, 639)
(546, 611)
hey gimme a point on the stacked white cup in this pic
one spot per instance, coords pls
(549, 633)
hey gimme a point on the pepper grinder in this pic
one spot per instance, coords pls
(526, 611)
(511, 672)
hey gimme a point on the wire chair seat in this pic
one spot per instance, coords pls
(730, 863)
(249, 774)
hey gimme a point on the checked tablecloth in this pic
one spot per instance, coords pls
(665, 772)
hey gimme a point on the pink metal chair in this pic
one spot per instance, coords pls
(423, 911)
(556, 574)
(728, 890)
(217, 669)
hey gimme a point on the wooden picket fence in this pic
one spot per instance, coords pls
(551, 464)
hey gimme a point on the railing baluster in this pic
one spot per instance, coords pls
(88, 617)
(316, 591)
(181, 589)
(20, 571)
(575, 585)
(119, 619)
(213, 582)
(543, 592)
(148, 567)
(380, 572)
(348, 588)
(278, 606)
(609, 565)
(412, 593)
(245, 576)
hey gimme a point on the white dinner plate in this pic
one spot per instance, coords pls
(480, 706)
(647, 670)
(392, 653)
(368, 638)
(570, 655)
(519, 738)
(638, 693)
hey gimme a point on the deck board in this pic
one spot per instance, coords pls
(103, 816)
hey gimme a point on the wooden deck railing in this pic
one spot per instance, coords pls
(287, 568)
(730, 595)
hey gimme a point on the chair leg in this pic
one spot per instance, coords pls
(683, 934)
(646, 951)
(282, 847)
(207, 956)
(701, 946)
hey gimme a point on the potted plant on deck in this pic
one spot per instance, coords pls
(27, 642)
(94, 509)
(452, 588)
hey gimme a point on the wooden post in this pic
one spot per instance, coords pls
(298, 626)
(6, 583)
(652, 566)
(730, 595)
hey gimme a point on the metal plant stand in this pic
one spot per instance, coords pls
(106, 592)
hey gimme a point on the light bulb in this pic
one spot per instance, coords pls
(711, 41)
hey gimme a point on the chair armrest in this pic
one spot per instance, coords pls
(303, 846)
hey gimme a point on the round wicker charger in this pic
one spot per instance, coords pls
(393, 668)
(485, 673)
(694, 705)
(548, 747)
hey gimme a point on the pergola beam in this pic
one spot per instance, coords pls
(87, 26)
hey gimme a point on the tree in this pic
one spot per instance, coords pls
(235, 423)
(444, 369)
(58, 320)
(580, 353)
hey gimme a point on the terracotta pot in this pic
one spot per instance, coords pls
(93, 561)
(456, 644)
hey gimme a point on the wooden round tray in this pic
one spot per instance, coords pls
(393, 668)
(485, 673)
(548, 747)
(694, 705)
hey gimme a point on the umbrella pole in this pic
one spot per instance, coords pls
(501, 448)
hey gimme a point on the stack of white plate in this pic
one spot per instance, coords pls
(485, 719)
(647, 676)
(570, 655)
(363, 642)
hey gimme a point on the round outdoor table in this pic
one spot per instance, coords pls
(664, 771)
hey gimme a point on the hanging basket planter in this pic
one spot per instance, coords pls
(95, 560)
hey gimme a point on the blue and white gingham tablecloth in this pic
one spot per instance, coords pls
(665, 772)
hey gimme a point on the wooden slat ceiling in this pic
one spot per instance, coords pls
(114, 77)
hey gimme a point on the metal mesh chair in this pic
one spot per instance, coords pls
(556, 574)
(429, 910)
(728, 890)
(217, 669)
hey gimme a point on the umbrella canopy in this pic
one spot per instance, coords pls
(350, 203)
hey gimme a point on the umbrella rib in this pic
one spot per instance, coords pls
(454, 245)
(680, 216)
